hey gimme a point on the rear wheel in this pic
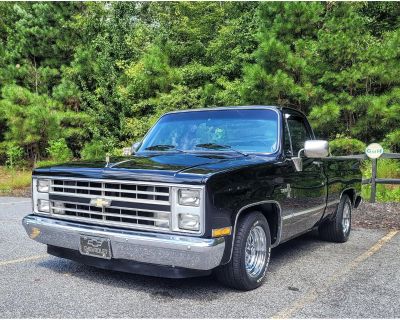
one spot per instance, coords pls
(251, 254)
(338, 229)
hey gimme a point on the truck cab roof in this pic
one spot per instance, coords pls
(250, 107)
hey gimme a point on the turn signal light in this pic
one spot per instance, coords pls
(34, 233)
(221, 232)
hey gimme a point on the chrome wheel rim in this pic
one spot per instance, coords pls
(346, 218)
(256, 251)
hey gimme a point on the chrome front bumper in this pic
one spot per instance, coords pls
(156, 248)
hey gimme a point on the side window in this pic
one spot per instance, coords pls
(287, 146)
(298, 132)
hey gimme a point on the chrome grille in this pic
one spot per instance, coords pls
(113, 190)
(133, 205)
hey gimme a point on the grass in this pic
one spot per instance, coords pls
(14, 179)
(387, 168)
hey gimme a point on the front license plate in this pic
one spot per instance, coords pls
(95, 247)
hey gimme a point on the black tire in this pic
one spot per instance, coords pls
(234, 273)
(335, 230)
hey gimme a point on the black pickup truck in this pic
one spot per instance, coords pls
(206, 190)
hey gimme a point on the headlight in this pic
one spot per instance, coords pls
(187, 209)
(189, 197)
(43, 185)
(162, 216)
(189, 221)
(58, 207)
(40, 195)
(43, 205)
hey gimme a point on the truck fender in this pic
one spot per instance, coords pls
(279, 231)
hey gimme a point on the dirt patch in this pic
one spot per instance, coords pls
(23, 192)
(377, 215)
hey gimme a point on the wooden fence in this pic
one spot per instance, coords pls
(373, 181)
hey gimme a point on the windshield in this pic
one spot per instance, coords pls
(240, 130)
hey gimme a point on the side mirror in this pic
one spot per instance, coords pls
(312, 149)
(316, 149)
(135, 147)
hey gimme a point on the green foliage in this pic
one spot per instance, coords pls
(97, 75)
(386, 168)
(31, 119)
(12, 180)
(45, 163)
(59, 151)
(392, 141)
(95, 149)
(327, 60)
(14, 156)
(99, 148)
(384, 193)
(346, 146)
(325, 118)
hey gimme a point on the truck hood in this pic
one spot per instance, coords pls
(191, 168)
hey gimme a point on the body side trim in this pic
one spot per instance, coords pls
(299, 213)
(331, 203)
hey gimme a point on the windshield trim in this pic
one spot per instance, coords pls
(275, 109)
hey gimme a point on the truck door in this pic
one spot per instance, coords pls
(307, 189)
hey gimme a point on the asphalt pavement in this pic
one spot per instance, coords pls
(307, 278)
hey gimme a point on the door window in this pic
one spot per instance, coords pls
(298, 132)
(287, 145)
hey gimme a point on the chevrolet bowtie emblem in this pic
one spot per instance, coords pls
(100, 202)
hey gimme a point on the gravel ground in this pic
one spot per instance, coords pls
(377, 215)
(307, 278)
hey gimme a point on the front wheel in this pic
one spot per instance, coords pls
(251, 254)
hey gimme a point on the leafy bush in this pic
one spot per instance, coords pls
(14, 156)
(386, 168)
(59, 150)
(384, 193)
(99, 148)
(346, 146)
(392, 141)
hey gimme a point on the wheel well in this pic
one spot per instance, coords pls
(271, 212)
(352, 195)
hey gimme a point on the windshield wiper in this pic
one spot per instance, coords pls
(163, 147)
(215, 146)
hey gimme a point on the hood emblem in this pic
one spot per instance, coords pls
(100, 202)
(107, 160)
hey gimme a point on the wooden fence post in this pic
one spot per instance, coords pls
(373, 180)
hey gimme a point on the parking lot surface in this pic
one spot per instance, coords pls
(307, 278)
